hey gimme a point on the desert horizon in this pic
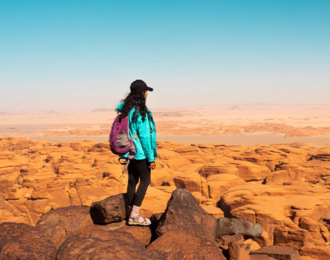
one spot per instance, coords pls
(230, 125)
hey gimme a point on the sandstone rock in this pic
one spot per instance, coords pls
(172, 159)
(318, 231)
(253, 245)
(278, 209)
(111, 209)
(293, 208)
(315, 252)
(117, 236)
(322, 154)
(142, 234)
(219, 183)
(109, 227)
(62, 223)
(238, 250)
(221, 167)
(251, 172)
(212, 210)
(225, 240)
(191, 181)
(178, 244)
(116, 248)
(21, 241)
(278, 252)
(282, 177)
(245, 170)
(183, 213)
(155, 201)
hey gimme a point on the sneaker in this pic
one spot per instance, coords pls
(139, 221)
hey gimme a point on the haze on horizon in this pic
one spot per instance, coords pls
(84, 54)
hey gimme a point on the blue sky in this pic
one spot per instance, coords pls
(84, 54)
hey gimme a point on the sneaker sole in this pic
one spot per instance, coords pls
(137, 224)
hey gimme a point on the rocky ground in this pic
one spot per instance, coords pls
(284, 188)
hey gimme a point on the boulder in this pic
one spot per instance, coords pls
(278, 252)
(111, 209)
(143, 234)
(183, 212)
(230, 226)
(178, 244)
(62, 223)
(119, 247)
(21, 241)
(117, 236)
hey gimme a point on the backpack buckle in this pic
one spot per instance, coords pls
(122, 162)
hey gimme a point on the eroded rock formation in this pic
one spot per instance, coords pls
(284, 188)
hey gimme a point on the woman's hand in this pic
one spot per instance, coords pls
(152, 165)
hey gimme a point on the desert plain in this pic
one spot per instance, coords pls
(267, 164)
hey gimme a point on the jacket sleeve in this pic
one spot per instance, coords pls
(145, 138)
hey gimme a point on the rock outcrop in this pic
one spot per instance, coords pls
(61, 223)
(111, 209)
(183, 212)
(284, 188)
(89, 248)
(21, 241)
(178, 244)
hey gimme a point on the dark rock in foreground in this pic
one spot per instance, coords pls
(143, 234)
(178, 244)
(184, 213)
(111, 209)
(117, 236)
(95, 248)
(61, 223)
(21, 241)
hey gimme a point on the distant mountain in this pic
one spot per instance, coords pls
(235, 108)
(3, 113)
(102, 110)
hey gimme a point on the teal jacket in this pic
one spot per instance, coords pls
(145, 140)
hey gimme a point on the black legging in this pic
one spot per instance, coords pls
(137, 169)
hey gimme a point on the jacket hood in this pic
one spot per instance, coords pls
(120, 106)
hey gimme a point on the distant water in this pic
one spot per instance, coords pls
(247, 140)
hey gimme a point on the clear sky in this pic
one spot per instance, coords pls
(84, 54)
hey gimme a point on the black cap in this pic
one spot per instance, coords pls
(139, 86)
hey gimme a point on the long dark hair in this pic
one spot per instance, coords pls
(137, 100)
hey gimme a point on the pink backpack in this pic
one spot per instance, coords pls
(120, 144)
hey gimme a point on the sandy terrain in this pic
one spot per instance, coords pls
(236, 125)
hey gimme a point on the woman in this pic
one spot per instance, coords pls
(140, 122)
